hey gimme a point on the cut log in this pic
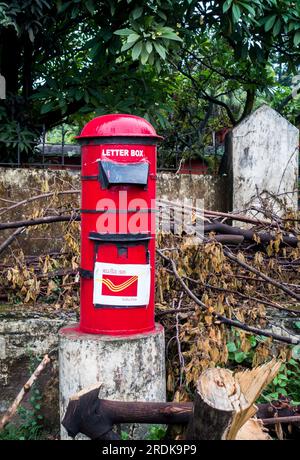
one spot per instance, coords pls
(223, 406)
(253, 430)
(218, 398)
(224, 403)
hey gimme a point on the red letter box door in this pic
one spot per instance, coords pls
(122, 276)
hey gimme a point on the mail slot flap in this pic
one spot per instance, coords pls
(120, 237)
(113, 173)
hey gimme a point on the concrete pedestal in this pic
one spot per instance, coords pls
(126, 368)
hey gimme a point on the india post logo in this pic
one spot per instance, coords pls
(119, 285)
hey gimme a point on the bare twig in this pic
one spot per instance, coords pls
(38, 221)
(37, 197)
(11, 238)
(249, 268)
(13, 408)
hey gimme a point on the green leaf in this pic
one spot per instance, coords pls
(295, 354)
(297, 38)
(160, 50)
(240, 356)
(31, 35)
(248, 7)
(270, 22)
(137, 12)
(89, 4)
(47, 107)
(62, 6)
(277, 27)
(144, 55)
(133, 38)
(136, 50)
(171, 36)
(297, 323)
(151, 58)
(149, 47)
(162, 15)
(295, 403)
(231, 347)
(236, 12)
(127, 46)
(158, 66)
(124, 32)
(227, 5)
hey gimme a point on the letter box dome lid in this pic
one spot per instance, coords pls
(116, 125)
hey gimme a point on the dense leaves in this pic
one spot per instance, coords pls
(65, 61)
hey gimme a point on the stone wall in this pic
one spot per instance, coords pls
(26, 334)
(20, 184)
(262, 163)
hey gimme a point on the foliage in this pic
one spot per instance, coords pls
(286, 383)
(65, 62)
(204, 342)
(156, 433)
(28, 429)
(29, 425)
(235, 353)
(124, 436)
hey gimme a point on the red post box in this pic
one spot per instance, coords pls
(118, 225)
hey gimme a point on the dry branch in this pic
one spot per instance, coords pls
(234, 292)
(37, 197)
(260, 274)
(209, 213)
(39, 221)
(274, 420)
(13, 408)
(11, 238)
(222, 318)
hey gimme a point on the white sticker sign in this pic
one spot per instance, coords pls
(125, 285)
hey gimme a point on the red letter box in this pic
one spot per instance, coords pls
(118, 225)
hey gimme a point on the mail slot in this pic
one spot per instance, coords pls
(118, 225)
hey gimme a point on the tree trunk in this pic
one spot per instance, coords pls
(10, 59)
(218, 397)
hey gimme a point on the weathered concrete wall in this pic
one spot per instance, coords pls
(213, 190)
(20, 184)
(26, 334)
(263, 161)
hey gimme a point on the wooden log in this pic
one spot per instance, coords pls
(223, 408)
(218, 397)
(95, 417)
(224, 403)
(249, 235)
